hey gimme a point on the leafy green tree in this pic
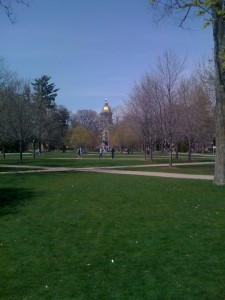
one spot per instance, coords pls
(213, 12)
(88, 119)
(80, 137)
(125, 135)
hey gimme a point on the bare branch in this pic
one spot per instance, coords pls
(8, 7)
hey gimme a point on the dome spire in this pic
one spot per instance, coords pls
(106, 107)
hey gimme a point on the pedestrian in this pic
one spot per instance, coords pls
(112, 152)
(79, 152)
(100, 153)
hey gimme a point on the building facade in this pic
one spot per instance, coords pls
(106, 123)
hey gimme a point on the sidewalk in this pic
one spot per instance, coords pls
(152, 174)
(112, 170)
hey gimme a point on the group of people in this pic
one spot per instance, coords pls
(100, 152)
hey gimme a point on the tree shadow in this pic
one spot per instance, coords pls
(11, 199)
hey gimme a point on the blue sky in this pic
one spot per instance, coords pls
(93, 49)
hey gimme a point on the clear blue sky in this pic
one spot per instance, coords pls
(93, 49)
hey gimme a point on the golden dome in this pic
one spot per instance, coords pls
(106, 107)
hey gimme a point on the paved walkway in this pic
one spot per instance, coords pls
(113, 170)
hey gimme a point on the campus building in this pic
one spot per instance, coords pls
(106, 123)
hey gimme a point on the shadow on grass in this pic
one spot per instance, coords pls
(11, 199)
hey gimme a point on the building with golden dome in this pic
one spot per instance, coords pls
(106, 124)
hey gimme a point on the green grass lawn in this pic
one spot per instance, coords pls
(16, 169)
(102, 236)
(69, 159)
(187, 169)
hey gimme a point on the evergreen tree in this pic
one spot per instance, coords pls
(43, 106)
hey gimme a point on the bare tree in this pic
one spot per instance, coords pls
(117, 115)
(197, 114)
(86, 118)
(9, 8)
(89, 120)
(5, 137)
(141, 112)
(167, 74)
(5, 79)
(20, 113)
(214, 14)
(205, 75)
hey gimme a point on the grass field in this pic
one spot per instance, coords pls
(188, 169)
(69, 159)
(78, 235)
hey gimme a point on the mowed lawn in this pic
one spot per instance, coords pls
(80, 235)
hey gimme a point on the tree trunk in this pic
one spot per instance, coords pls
(151, 154)
(34, 155)
(145, 149)
(39, 147)
(3, 151)
(21, 151)
(177, 155)
(162, 147)
(219, 47)
(219, 175)
(170, 157)
(189, 150)
(170, 152)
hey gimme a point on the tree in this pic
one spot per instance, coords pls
(80, 137)
(205, 76)
(196, 113)
(4, 120)
(58, 129)
(43, 105)
(5, 79)
(20, 113)
(168, 73)
(141, 112)
(45, 91)
(122, 136)
(7, 5)
(88, 119)
(215, 10)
